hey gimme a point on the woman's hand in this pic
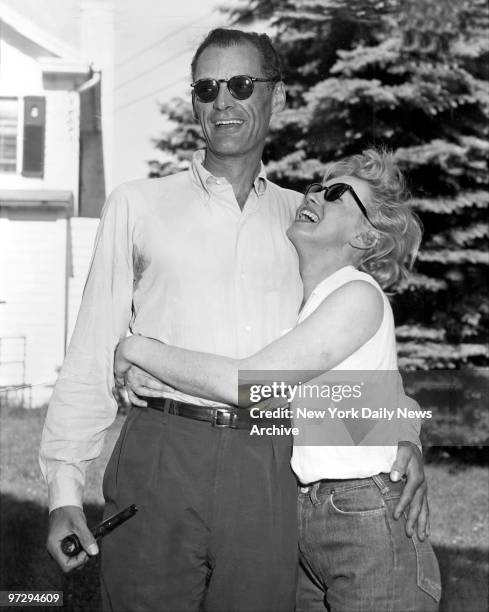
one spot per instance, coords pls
(135, 380)
(121, 360)
(139, 383)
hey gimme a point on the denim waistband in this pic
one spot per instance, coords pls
(326, 486)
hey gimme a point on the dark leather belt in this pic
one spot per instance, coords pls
(235, 418)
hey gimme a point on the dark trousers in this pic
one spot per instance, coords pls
(216, 527)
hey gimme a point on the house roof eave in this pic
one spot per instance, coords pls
(33, 33)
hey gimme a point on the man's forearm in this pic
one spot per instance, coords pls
(65, 487)
(82, 406)
(73, 434)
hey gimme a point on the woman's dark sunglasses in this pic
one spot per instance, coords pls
(240, 87)
(334, 192)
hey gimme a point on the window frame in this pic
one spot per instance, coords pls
(19, 136)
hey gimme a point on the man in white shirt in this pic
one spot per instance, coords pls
(199, 260)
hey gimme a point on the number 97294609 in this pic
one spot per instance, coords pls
(31, 598)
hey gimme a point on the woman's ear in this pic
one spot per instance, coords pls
(370, 237)
(365, 240)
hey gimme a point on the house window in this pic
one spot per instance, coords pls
(34, 136)
(9, 119)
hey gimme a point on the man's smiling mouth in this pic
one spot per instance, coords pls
(227, 122)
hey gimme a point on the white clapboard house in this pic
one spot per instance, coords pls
(52, 187)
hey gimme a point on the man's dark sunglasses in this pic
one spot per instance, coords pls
(334, 192)
(240, 87)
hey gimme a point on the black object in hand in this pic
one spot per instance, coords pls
(71, 546)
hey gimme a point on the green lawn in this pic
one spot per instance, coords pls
(459, 501)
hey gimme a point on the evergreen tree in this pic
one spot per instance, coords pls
(410, 76)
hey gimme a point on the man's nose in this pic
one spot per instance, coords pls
(224, 98)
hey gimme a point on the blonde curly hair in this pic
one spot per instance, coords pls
(398, 230)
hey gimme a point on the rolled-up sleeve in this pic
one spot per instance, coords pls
(82, 406)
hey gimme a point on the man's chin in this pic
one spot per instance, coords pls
(226, 149)
(229, 146)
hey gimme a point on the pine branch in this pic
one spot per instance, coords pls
(452, 256)
(456, 205)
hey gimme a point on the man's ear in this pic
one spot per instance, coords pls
(194, 112)
(278, 97)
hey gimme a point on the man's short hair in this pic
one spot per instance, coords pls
(224, 37)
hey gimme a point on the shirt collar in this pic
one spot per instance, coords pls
(205, 179)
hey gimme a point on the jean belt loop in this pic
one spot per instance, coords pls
(384, 488)
(313, 493)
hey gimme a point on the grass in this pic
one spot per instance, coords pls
(459, 503)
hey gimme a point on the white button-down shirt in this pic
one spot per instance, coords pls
(175, 259)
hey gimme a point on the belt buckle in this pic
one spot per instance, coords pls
(221, 412)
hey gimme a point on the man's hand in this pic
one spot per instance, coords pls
(138, 382)
(64, 521)
(409, 463)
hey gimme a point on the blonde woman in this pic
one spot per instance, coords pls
(355, 236)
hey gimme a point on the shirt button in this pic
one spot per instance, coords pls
(247, 328)
(242, 275)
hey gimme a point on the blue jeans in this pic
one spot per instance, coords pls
(356, 557)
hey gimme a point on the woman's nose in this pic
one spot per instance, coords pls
(315, 198)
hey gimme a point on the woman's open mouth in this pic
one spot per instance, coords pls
(306, 215)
